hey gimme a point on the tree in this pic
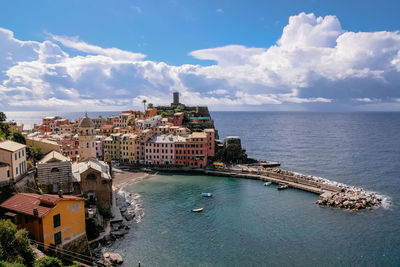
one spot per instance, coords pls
(150, 105)
(144, 101)
(4, 130)
(14, 245)
(48, 262)
(3, 116)
(18, 137)
(34, 153)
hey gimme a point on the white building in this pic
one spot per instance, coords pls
(14, 154)
(148, 123)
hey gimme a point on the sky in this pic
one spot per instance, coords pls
(304, 55)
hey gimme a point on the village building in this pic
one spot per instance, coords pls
(159, 150)
(87, 139)
(44, 144)
(51, 220)
(95, 184)
(192, 150)
(127, 150)
(55, 173)
(14, 155)
(5, 174)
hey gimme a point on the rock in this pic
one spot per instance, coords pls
(115, 258)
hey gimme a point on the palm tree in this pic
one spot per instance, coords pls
(144, 101)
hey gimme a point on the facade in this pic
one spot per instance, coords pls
(96, 184)
(68, 129)
(151, 122)
(127, 145)
(99, 146)
(5, 173)
(192, 151)
(14, 154)
(43, 143)
(55, 173)
(112, 145)
(159, 150)
(56, 220)
(87, 139)
(211, 142)
(98, 122)
(140, 142)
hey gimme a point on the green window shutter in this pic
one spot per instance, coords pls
(56, 220)
(57, 238)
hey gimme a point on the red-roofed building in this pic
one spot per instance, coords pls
(57, 220)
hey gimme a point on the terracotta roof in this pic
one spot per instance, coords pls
(25, 203)
(106, 126)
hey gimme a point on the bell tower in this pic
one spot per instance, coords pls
(87, 139)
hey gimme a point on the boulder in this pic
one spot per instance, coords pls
(114, 258)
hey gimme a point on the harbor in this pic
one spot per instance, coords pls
(331, 193)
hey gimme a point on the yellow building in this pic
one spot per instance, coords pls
(127, 148)
(51, 220)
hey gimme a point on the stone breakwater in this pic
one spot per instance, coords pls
(337, 195)
(348, 199)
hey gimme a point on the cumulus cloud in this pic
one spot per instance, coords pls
(315, 61)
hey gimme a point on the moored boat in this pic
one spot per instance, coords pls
(282, 186)
(267, 183)
(206, 194)
(197, 210)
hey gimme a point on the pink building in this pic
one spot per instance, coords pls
(159, 150)
(192, 151)
(140, 142)
(210, 141)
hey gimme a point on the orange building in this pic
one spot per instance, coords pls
(55, 220)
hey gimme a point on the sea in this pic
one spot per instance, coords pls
(248, 224)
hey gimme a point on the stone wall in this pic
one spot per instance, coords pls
(55, 173)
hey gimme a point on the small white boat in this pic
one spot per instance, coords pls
(206, 194)
(267, 183)
(197, 210)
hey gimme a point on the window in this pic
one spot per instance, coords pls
(57, 238)
(16, 170)
(15, 155)
(19, 154)
(8, 173)
(56, 221)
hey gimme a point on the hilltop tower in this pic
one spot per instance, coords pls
(87, 139)
(175, 99)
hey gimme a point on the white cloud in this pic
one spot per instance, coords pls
(314, 61)
(114, 53)
(220, 10)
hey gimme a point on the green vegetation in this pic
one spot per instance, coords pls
(14, 245)
(48, 262)
(150, 105)
(18, 137)
(35, 153)
(4, 130)
(3, 116)
(10, 264)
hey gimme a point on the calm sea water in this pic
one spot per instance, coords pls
(247, 224)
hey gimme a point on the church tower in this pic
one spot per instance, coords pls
(87, 139)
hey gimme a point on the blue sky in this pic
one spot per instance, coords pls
(202, 49)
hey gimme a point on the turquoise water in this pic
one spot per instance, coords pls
(248, 224)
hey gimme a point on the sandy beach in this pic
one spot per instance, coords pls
(122, 177)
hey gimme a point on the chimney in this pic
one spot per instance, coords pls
(60, 193)
(35, 212)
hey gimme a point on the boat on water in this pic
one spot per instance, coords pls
(197, 210)
(282, 186)
(267, 183)
(206, 194)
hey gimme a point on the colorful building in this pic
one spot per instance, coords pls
(14, 154)
(56, 220)
(159, 150)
